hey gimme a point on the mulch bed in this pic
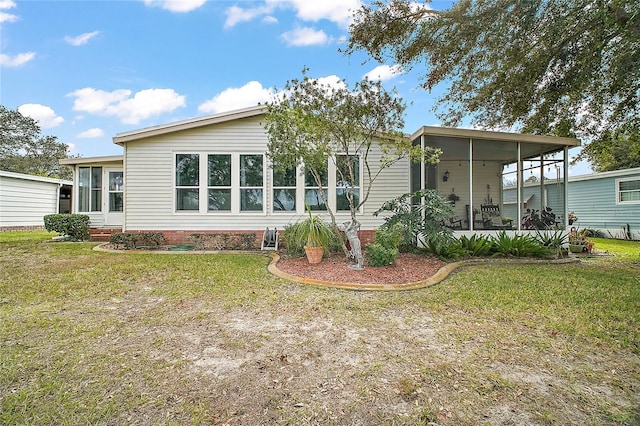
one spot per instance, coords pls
(408, 268)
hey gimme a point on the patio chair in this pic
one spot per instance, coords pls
(270, 239)
(492, 219)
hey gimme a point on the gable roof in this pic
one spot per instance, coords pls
(123, 138)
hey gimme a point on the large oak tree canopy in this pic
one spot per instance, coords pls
(24, 150)
(561, 67)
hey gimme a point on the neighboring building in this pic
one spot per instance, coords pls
(607, 201)
(212, 174)
(26, 199)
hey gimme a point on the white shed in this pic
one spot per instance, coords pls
(26, 199)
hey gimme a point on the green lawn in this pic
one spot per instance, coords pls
(90, 337)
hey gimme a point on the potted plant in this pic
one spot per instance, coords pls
(577, 241)
(317, 238)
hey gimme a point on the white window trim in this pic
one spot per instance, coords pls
(617, 190)
(299, 196)
(203, 188)
(333, 174)
(102, 186)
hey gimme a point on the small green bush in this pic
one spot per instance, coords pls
(379, 255)
(222, 241)
(520, 245)
(296, 236)
(74, 226)
(133, 240)
(476, 245)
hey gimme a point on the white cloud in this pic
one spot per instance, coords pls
(7, 4)
(16, 61)
(7, 17)
(338, 11)
(130, 110)
(305, 37)
(44, 115)
(91, 133)
(81, 39)
(179, 6)
(250, 94)
(237, 15)
(384, 72)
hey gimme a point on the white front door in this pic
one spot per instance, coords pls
(115, 197)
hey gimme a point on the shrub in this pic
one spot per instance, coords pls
(133, 240)
(385, 249)
(74, 226)
(444, 246)
(520, 245)
(476, 245)
(221, 241)
(421, 214)
(379, 255)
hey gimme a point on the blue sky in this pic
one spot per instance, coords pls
(87, 70)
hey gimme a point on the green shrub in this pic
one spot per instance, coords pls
(222, 241)
(379, 255)
(445, 247)
(421, 214)
(520, 245)
(476, 245)
(390, 235)
(133, 240)
(74, 226)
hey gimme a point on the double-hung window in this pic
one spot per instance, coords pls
(90, 189)
(284, 190)
(314, 195)
(219, 182)
(251, 183)
(187, 182)
(628, 191)
(347, 181)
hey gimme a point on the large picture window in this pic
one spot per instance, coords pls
(219, 182)
(90, 189)
(346, 183)
(251, 183)
(187, 182)
(284, 190)
(628, 191)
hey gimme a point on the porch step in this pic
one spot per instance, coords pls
(102, 234)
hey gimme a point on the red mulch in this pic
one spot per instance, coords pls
(335, 268)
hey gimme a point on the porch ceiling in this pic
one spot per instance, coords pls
(490, 146)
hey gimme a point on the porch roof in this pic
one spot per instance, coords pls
(492, 145)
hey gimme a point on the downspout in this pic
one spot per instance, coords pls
(519, 186)
(471, 216)
(58, 197)
(566, 186)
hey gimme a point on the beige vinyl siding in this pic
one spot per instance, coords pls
(25, 202)
(150, 186)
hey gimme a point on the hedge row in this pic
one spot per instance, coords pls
(134, 240)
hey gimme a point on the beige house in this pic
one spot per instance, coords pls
(212, 174)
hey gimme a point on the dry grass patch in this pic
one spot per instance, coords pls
(103, 338)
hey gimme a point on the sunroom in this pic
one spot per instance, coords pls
(475, 168)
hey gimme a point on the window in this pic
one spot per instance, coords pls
(347, 185)
(187, 182)
(251, 182)
(90, 189)
(313, 197)
(219, 182)
(628, 191)
(284, 190)
(115, 192)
